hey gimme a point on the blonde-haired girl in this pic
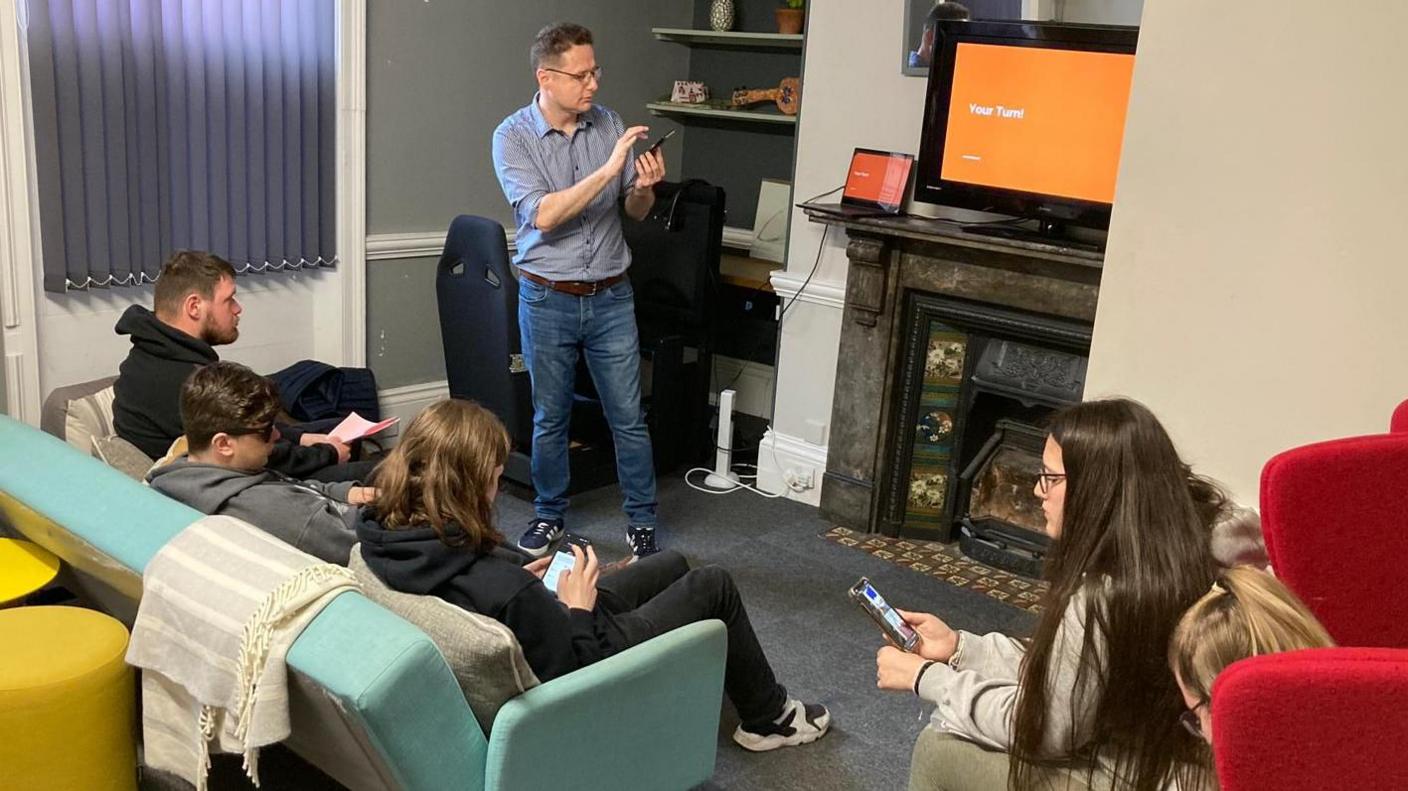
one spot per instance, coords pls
(1247, 613)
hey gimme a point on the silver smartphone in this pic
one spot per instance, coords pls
(885, 616)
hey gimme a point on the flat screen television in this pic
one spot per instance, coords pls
(1026, 119)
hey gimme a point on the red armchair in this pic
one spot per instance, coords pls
(1335, 517)
(1399, 422)
(1326, 718)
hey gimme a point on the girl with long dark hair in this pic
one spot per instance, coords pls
(1088, 701)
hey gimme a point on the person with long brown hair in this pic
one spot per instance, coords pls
(1087, 702)
(430, 530)
(1246, 613)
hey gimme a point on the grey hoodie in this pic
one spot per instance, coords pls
(312, 516)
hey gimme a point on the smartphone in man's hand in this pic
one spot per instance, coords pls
(656, 145)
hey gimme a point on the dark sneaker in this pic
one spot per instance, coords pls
(800, 723)
(641, 540)
(540, 535)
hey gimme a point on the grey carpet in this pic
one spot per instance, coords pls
(821, 646)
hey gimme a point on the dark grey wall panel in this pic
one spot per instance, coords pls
(442, 75)
(738, 156)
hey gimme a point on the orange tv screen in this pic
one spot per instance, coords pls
(1048, 121)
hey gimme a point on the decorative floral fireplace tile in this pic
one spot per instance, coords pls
(931, 463)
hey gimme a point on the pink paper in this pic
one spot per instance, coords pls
(356, 427)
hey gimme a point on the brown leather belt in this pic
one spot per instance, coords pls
(577, 288)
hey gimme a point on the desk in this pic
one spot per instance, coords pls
(745, 272)
(25, 567)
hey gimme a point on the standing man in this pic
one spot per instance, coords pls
(566, 166)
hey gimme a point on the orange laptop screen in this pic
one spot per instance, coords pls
(1048, 121)
(877, 178)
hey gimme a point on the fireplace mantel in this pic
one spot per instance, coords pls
(889, 259)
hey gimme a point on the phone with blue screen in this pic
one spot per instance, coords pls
(885, 616)
(563, 559)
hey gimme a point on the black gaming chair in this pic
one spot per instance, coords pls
(478, 300)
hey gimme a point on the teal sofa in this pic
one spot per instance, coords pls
(373, 703)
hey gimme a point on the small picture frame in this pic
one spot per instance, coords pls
(914, 53)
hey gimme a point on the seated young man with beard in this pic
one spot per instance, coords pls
(228, 411)
(195, 311)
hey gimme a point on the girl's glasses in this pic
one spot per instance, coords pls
(1190, 722)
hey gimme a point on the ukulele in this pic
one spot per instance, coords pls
(787, 95)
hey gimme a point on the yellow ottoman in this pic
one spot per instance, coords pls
(24, 568)
(66, 701)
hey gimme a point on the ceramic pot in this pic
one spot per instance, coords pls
(789, 20)
(721, 15)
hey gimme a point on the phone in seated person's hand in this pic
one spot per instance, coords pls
(562, 560)
(885, 616)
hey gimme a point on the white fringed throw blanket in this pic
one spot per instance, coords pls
(221, 604)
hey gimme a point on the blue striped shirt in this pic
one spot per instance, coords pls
(532, 159)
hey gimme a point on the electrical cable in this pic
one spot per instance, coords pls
(734, 488)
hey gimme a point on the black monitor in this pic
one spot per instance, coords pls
(1026, 119)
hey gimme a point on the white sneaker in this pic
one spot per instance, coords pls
(800, 723)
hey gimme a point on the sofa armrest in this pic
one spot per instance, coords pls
(645, 718)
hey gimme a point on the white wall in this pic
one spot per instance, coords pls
(77, 342)
(853, 95)
(1255, 285)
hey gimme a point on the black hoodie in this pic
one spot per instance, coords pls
(555, 640)
(146, 407)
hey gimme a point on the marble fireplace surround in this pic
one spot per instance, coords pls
(889, 257)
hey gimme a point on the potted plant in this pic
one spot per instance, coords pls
(789, 16)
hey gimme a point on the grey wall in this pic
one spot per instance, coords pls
(738, 156)
(440, 78)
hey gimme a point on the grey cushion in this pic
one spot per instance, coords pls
(80, 413)
(122, 455)
(483, 654)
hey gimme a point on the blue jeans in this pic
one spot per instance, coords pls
(556, 328)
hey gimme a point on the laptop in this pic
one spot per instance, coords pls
(875, 184)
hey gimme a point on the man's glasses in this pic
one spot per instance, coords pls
(1046, 480)
(265, 433)
(1190, 722)
(582, 77)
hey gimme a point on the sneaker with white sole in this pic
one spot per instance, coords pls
(800, 723)
(537, 540)
(641, 541)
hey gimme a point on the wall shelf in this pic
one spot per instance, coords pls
(728, 38)
(706, 111)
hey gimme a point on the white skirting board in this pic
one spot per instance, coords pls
(784, 460)
(406, 402)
